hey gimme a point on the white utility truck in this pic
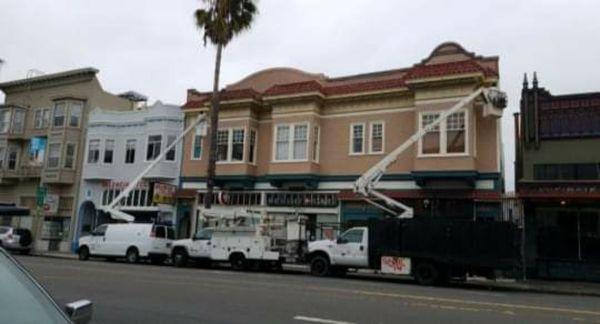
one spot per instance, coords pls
(130, 241)
(389, 250)
(238, 240)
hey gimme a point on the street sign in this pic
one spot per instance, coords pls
(40, 195)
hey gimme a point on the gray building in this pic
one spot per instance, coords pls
(119, 146)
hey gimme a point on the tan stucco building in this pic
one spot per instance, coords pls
(294, 142)
(42, 141)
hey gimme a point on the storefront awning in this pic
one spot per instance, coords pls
(12, 210)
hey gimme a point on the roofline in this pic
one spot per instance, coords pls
(49, 77)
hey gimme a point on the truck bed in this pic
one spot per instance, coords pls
(458, 242)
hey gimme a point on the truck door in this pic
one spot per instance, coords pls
(201, 245)
(98, 240)
(351, 248)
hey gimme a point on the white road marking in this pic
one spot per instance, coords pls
(319, 320)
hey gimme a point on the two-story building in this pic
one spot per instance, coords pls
(557, 173)
(120, 145)
(291, 142)
(42, 136)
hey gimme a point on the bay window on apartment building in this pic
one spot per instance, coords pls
(197, 144)
(93, 151)
(153, 148)
(291, 142)
(4, 120)
(170, 156)
(447, 138)
(41, 118)
(361, 143)
(130, 151)
(53, 155)
(109, 150)
(230, 145)
(65, 112)
(70, 154)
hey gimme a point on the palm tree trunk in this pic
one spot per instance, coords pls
(214, 124)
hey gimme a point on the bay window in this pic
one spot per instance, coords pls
(447, 138)
(291, 142)
(18, 121)
(316, 139)
(237, 145)
(109, 150)
(58, 119)
(4, 120)
(170, 156)
(93, 151)
(130, 151)
(153, 148)
(222, 145)
(53, 155)
(75, 112)
(252, 146)
(2, 154)
(70, 156)
(13, 155)
(41, 118)
(230, 145)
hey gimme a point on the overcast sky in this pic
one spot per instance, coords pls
(152, 46)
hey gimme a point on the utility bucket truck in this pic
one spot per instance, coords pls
(429, 249)
(241, 239)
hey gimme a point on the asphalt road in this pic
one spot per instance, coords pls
(124, 293)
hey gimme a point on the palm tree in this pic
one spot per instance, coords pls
(220, 21)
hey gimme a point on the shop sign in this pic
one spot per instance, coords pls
(120, 185)
(50, 207)
(164, 193)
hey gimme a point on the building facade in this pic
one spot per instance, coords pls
(120, 145)
(558, 178)
(42, 136)
(292, 142)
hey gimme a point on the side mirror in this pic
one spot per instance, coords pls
(80, 312)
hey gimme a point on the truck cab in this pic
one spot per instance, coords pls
(198, 247)
(350, 250)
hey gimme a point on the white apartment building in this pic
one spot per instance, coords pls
(119, 146)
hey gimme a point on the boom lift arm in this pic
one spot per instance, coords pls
(367, 182)
(111, 208)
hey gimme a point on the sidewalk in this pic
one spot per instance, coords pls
(577, 288)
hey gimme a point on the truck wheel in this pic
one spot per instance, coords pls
(238, 262)
(426, 273)
(180, 258)
(84, 253)
(132, 255)
(319, 266)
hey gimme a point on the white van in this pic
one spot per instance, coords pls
(132, 241)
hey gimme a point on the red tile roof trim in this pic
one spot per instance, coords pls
(419, 71)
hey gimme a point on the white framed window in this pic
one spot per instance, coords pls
(291, 142)
(170, 156)
(53, 155)
(58, 117)
(316, 145)
(300, 142)
(130, 151)
(93, 155)
(222, 145)
(456, 133)
(282, 143)
(109, 151)
(197, 144)
(252, 146)
(230, 145)
(377, 137)
(41, 118)
(448, 138)
(357, 139)
(4, 120)
(153, 148)
(75, 112)
(237, 144)
(70, 154)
